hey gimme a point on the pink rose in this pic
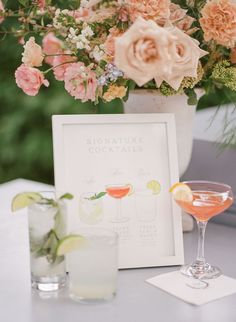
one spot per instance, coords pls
(32, 55)
(30, 79)
(185, 59)
(144, 51)
(80, 82)
(1, 11)
(219, 22)
(148, 9)
(61, 63)
(51, 46)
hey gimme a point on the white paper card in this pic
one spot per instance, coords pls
(175, 284)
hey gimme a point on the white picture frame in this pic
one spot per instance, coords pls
(119, 169)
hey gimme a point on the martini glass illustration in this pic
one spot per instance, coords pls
(118, 192)
(203, 200)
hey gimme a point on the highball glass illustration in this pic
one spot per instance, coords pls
(203, 200)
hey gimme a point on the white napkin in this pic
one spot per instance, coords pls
(175, 284)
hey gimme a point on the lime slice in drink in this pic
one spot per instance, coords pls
(24, 199)
(70, 243)
(182, 192)
(154, 186)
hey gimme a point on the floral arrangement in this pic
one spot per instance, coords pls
(103, 49)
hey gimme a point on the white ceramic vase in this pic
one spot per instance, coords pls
(149, 101)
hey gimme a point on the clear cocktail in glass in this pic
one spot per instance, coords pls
(208, 200)
(93, 267)
(47, 225)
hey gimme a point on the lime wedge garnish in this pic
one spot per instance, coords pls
(154, 186)
(181, 192)
(24, 199)
(70, 243)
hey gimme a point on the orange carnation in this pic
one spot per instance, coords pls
(219, 22)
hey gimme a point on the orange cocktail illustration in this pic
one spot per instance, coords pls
(118, 191)
(203, 200)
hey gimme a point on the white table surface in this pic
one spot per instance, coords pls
(136, 300)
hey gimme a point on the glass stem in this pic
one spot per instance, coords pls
(201, 240)
(118, 209)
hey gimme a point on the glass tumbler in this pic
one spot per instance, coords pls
(47, 225)
(93, 267)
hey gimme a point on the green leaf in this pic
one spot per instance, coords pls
(97, 196)
(67, 195)
(192, 96)
(24, 3)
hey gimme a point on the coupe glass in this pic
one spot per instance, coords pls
(118, 191)
(209, 199)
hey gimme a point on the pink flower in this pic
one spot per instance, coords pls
(184, 61)
(79, 14)
(30, 79)
(32, 55)
(80, 82)
(219, 22)
(1, 11)
(41, 4)
(61, 63)
(109, 44)
(144, 51)
(148, 9)
(176, 13)
(233, 55)
(51, 46)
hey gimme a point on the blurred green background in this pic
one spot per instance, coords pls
(25, 122)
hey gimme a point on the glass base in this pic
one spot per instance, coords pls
(48, 284)
(198, 270)
(83, 300)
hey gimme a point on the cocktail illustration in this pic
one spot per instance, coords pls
(118, 192)
(90, 208)
(146, 201)
(203, 200)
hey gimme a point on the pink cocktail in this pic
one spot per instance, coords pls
(118, 191)
(209, 199)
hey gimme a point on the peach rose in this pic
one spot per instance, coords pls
(185, 59)
(176, 13)
(109, 44)
(80, 82)
(219, 22)
(233, 55)
(61, 63)
(30, 79)
(148, 9)
(1, 11)
(33, 54)
(144, 51)
(51, 46)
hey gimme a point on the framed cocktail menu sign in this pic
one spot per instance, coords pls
(119, 169)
